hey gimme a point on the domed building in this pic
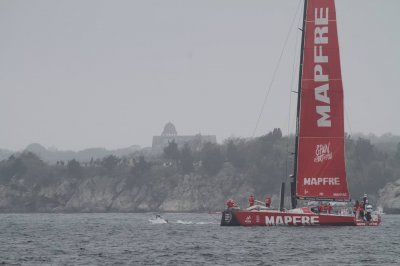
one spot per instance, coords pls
(169, 130)
(170, 134)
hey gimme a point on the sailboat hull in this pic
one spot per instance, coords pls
(275, 217)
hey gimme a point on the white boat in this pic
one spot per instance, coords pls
(158, 220)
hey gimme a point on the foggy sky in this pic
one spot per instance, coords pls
(79, 74)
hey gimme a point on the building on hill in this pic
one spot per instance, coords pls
(170, 134)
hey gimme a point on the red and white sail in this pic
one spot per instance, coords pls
(321, 169)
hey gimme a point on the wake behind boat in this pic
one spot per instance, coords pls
(319, 165)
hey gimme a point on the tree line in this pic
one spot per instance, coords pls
(263, 163)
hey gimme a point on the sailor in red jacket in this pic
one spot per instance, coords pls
(231, 204)
(251, 200)
(321, 208)
(330, 208)
(268, 201)
(356, 208)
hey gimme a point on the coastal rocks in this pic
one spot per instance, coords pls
(125, 202)
(94, 194)
(155, 192)
(390, 197)
(202, 193)
(7, 198)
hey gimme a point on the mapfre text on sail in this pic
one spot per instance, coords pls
(323, 107)
(317, 181)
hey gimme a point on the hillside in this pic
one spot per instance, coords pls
(53, 155)
(181, 179)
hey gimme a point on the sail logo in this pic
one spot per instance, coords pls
(323, 107)
(322, 153)
(318, 181)
(291, 220)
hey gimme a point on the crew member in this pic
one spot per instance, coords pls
(356, 208)
(365, 200)
(321, 208)
(268, 201)
(231, 204)
(251, 200)
(330, 208)
(368, 211)
(361, 210)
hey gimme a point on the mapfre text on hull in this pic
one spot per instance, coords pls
(278, 218)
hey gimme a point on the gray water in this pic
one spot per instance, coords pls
(189, 239)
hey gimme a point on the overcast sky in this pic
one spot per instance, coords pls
(79, 74)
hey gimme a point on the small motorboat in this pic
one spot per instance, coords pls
(158, 220)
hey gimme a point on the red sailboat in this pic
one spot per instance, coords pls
(319, 171)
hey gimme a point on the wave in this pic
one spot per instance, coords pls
(197, 223)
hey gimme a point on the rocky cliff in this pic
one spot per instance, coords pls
(178, 193)
(390, 197)
(106, 194)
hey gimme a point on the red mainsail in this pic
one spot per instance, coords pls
(321, 169)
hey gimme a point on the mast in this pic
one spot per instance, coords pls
(293, 179)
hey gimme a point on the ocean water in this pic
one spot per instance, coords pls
(188, 239)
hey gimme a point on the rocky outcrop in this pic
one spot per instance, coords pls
(170, 193)
(390, 197)
(200, 193)
(186, 193)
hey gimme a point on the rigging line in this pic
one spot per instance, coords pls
(290, 103)
(346, 113)
(300, 23)
(276, 70)
(348, 120)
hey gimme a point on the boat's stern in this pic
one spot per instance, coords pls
(229, 219)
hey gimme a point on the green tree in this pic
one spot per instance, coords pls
(110, 163)
(212, 158)
(277, 133)
(10, 168)
(398, 152)
(141, 167)
(233, 155)
(171, 152)
(74, 168)
(186, 159)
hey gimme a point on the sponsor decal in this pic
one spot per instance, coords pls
(323, 153)
(291, 220)
(248, 220)
(324, 181)
(340, 194)
(227, 217)
(257, 218)
(323, 107)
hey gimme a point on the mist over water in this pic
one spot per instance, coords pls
(188, 239)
